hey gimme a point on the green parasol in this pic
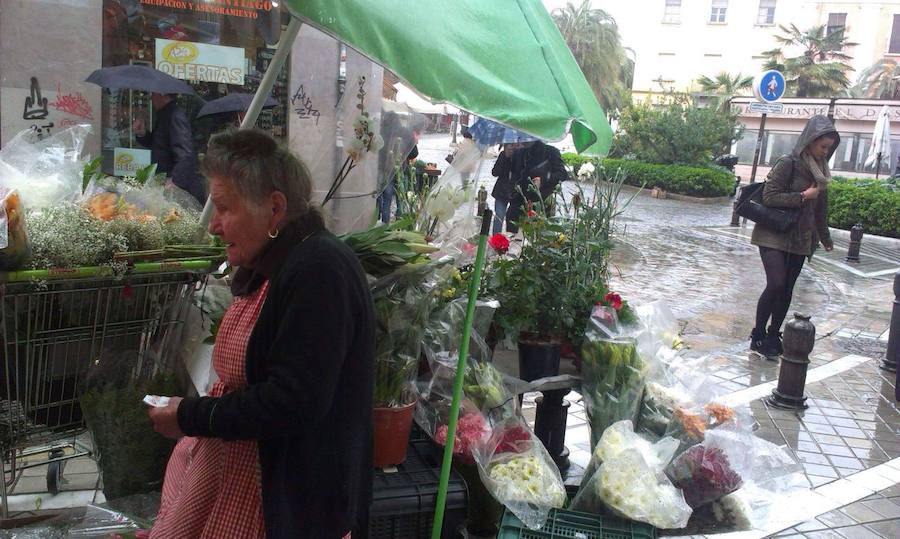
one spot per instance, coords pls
(501, 60)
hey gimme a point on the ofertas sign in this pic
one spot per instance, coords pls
(769, 86)
(127, 161)
(201, 62)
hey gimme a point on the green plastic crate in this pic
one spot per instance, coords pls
(574, 525)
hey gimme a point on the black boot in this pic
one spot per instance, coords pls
(774, 338)
(760, 343)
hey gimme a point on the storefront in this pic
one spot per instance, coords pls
(854, 119)
(49, 47)
(218, 47)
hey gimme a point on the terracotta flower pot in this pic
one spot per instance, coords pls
(391, 434)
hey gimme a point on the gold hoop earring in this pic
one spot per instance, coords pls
(273, 235)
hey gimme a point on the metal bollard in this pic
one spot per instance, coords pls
(856, 235)
(799, 340)
(482, 200)
(893, 350)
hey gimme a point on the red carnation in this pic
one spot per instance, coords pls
(499, 243)
(614, 300)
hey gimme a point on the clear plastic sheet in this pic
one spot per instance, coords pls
(518, 471)
(625, 475)
(613, 373)
(47, 171)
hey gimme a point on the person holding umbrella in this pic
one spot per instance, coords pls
(171, 144)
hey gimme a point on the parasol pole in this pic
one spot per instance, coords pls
(460, 374)
(282, 49)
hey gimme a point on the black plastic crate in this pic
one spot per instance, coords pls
(403, 501)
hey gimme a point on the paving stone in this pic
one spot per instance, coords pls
(861, 513)
(845, 462)
(818, 481)
(855, 532)
(812, 458)
(824, 534)
(884, 507)
(820, 470)
(849, 432)
(835, 519)
(836, 450)
(860, 443)
(887, 529)
(815, 418)
(810, 526)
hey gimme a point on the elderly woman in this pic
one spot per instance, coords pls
(282, 445)
(798, 180)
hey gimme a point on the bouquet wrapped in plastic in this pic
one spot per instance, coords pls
(518, 471)
(613, 373)
(658, 404)
(704, 474)
(625, 476)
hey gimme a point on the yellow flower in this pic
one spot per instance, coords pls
(449, 293)
(561, 238)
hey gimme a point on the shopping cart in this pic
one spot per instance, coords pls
(52, 331)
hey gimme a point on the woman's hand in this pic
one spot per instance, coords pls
(165, 419)
(828, 245)
(811, 194)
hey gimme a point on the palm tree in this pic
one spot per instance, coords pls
(725, 86)
(879, 81)
(821, 68)
(593, 37)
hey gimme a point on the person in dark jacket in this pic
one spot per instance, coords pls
(503, 187)
(536, 168)
(282, 447)
(171, 145)
(798, 180)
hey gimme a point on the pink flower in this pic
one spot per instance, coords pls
(471, 429)
(499, 243)
(469, 249)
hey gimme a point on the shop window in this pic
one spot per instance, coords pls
(745, 146)
(843, 155)
(894, 46)
(766, 15)
(837, 22)
(717, 11)
(778, 144)
(672, 14)
(230, 45)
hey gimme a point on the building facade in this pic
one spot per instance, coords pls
(49, 47)
(675, 42)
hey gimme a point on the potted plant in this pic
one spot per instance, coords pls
(403, 302)
(546, 292)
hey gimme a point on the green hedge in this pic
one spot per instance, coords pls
(684, 180)
(873, 204)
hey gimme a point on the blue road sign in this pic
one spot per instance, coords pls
(769, 86)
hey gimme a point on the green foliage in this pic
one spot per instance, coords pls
(132, 455)
(677, 133)
(91, 172)
(593, 37)
(562, 271)
(821, 66)
(683, 180)
(724, 87)
(879, 81)
(873, 204)
(709, 181)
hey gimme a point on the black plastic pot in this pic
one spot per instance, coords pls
(538, 359)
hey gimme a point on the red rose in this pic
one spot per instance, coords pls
(531, 214)
(614, 300)
(499, 243)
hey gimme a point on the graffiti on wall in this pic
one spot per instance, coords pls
(303, 106)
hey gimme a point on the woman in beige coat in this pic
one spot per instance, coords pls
(798, 180)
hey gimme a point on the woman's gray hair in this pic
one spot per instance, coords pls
(258, 165)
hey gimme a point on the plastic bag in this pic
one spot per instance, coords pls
(518, 471)
(617, 439)
(613, 373)
(704, 474)
(658, 403)
(14, 246)
(691, 425)
(47, 171)
(102, 521)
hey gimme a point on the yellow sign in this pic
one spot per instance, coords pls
(180, 52)
(201, 62)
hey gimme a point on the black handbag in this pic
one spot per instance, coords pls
(749, 204)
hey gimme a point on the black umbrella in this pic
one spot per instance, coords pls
(139, 77)
(233, 102)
